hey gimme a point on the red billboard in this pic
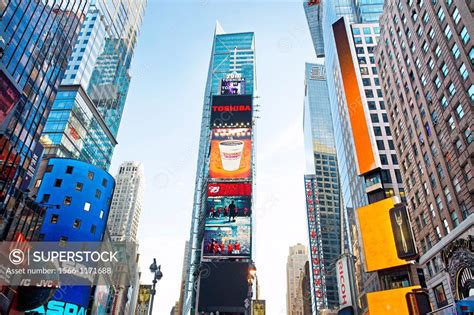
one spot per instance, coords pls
(231, 111)
(229, 189)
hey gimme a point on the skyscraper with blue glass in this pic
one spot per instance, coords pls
(322, 187)
(36, 40)
(86, 114)
(231, 76)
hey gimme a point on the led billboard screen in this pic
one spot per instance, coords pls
(229, 189)
(233, 87)
(223, 287)
(401, 228)
(228, 210)
(234, 111)
(232, 240)
(231, 153)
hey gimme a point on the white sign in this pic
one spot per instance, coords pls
(343, 282)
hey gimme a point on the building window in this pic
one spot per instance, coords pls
(447, 32)
(79, 186)
(76, 224)
(380, 145)
(49, 168)
(454, 219)
(93, 228)
(67, 200)
(101, 214)
(469, 136)
(69, 169)
(104, 182)
(463, 72)
(439, 203)
(465, 35)
(441, 14)
(444, 102)
(459, 145)
(456, 16)
(447, 194)
(97, 193)
(460, 111)
(58, 182)
(455, 51)
(87, 206)
(438, 51)
(45, 198)
(440, 296)
(90, 175)
(54, 218)
(444, 69)
(446, 226)
(438, 232)
(451, 123)
(452, 89)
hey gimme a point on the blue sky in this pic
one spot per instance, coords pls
(161, 124)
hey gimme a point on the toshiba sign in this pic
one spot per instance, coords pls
(231, 111)
(343, 283)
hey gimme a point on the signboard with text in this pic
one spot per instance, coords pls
(231, 111)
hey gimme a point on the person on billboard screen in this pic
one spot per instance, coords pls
(232, 211)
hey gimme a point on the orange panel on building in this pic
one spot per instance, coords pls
(389, 302)
(378, 242)
(365, 152)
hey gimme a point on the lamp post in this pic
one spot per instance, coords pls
(157, 275)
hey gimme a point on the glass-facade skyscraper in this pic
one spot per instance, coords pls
(322, 187)
(36, 40)
(232, 54)
(86, 114)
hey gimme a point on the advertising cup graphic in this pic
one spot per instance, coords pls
(231, 154)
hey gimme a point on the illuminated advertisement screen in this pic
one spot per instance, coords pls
(231, 111)
(228, 211)
(227, 240)
(232, 87)
(229, 189)
(9, 96)
(231, 153)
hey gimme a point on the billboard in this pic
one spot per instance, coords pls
(378, 241)
(364, 140)
(231, 153)
(343, 282)
(228, 211)
(9, 96)
(318, 270)
(229, 189)
(232, 240)
(234, 111)
(223, 287)
(390, 302)
(258, 307)
(233, 87)
(401, 228)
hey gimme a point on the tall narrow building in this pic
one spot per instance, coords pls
(425, 57)
(127, 202)
(322, 188)
(220, 253)
(295, 266)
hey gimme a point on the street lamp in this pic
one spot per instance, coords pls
(157, 275)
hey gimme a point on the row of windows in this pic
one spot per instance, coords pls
(76, 224)
(70, 170)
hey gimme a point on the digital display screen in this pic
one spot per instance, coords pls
(231, 153)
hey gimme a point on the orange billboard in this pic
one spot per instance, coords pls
(378, 241)
(390, 302)
(231, 153)
(365, 150)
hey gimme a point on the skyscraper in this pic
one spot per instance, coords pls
(86, 114)
(322, 188)
(297, 257)
(36, 40)
(425, 58)
(127, 202)
(365, 15)
(221, 226)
